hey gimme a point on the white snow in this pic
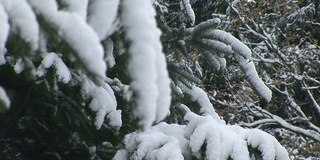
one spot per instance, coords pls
(114, 118)
(101, 100)
(87, 45)
(4, 33)
(62, 71)
(102, 14)
(4, 100)
(23, 21)
(77, 6)
(147, 67)
(186, 5)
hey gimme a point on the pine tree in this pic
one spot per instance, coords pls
(120, 79)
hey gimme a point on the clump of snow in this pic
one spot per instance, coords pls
(150, 145)
(92, 150)
(62, 71)
(102, 15)
(222, 61)
(4, 32)
(198, 95)
(4, 100)
(77, 6)
(109, 58)
(147, 65)
(103, 102)
(114, 118)
(23, 21)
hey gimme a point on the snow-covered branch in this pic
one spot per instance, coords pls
(23, 21)
(147, 65)
(77, 33)
(272, 119)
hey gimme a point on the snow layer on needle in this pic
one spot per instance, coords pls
(77, 6)
(4, 100)
(189, 10)
(217, 46)
(212, 60)
(62, 71)
(147, 67)
(102, 15)
(4, 32)
(23, 21)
